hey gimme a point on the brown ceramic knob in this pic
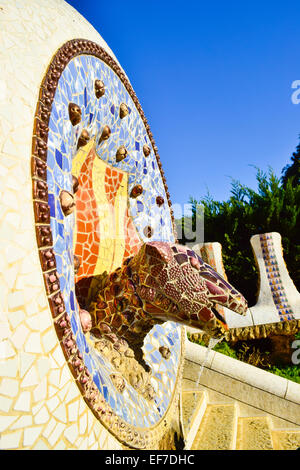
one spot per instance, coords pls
(146, 150)
(40, 190)
(118, 382)
(75, 184)
(83, 139)
(160, 201)
(148, 232)
(74, 113)
(136, 191)
(42, 211)
(104, 328)
(123, 110)
(165, 352)
(76, 264)
(121, 153)
(44, 235)
(67, 202)
(85, 320)
(99, 88)
(105, 134)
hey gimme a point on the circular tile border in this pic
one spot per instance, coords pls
(148, 438)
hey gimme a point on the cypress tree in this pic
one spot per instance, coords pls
(274, 207)
(292, 171)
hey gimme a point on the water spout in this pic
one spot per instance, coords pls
(211, 344)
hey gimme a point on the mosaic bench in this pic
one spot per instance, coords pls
(277, 311)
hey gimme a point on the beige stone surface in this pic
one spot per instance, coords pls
(193, 408)
(254, 434)
(286, 440)
(218, 429)
(244, 393)
(239, 381)
(249, 374)
(221, 423)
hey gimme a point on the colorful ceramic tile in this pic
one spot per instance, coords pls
(109, 224)
(277, 290)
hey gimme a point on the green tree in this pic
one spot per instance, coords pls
(274, 207)
(292, 171)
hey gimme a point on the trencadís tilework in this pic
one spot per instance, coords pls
(92, 138)
(275, 283)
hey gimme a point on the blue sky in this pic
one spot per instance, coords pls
(214, 80)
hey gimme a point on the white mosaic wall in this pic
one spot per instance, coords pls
(40, 405)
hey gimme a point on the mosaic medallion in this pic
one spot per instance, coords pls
(99, 194)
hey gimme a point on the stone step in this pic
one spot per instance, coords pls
(193, 408)
(218, 428)
(285, 439)
(212, 424)
(254, 433)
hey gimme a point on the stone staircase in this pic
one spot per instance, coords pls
(211, 424)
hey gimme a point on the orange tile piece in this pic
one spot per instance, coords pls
(87, 241)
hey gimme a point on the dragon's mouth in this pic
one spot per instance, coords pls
(192, 311)
(220, 318)
(164, 309)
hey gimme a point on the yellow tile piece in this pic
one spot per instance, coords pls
(41, 445)
(71, 433)
(31, 434)
(5, 404)
(11, 440)
(40, 392)
(23, 422)
(6, 421)
(31, 378)
(60, 413)
(9, 387)
(56, 434)
(42, 416)
(23, 402)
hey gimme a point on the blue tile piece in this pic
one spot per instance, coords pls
(51, 202)
(58, 158)
(96, 380)
(105, 392)
(74, 325)
(62, 282)
(60, 227)
(72, 300)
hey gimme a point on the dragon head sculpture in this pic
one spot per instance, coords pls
(174, 283)
(162, 282)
